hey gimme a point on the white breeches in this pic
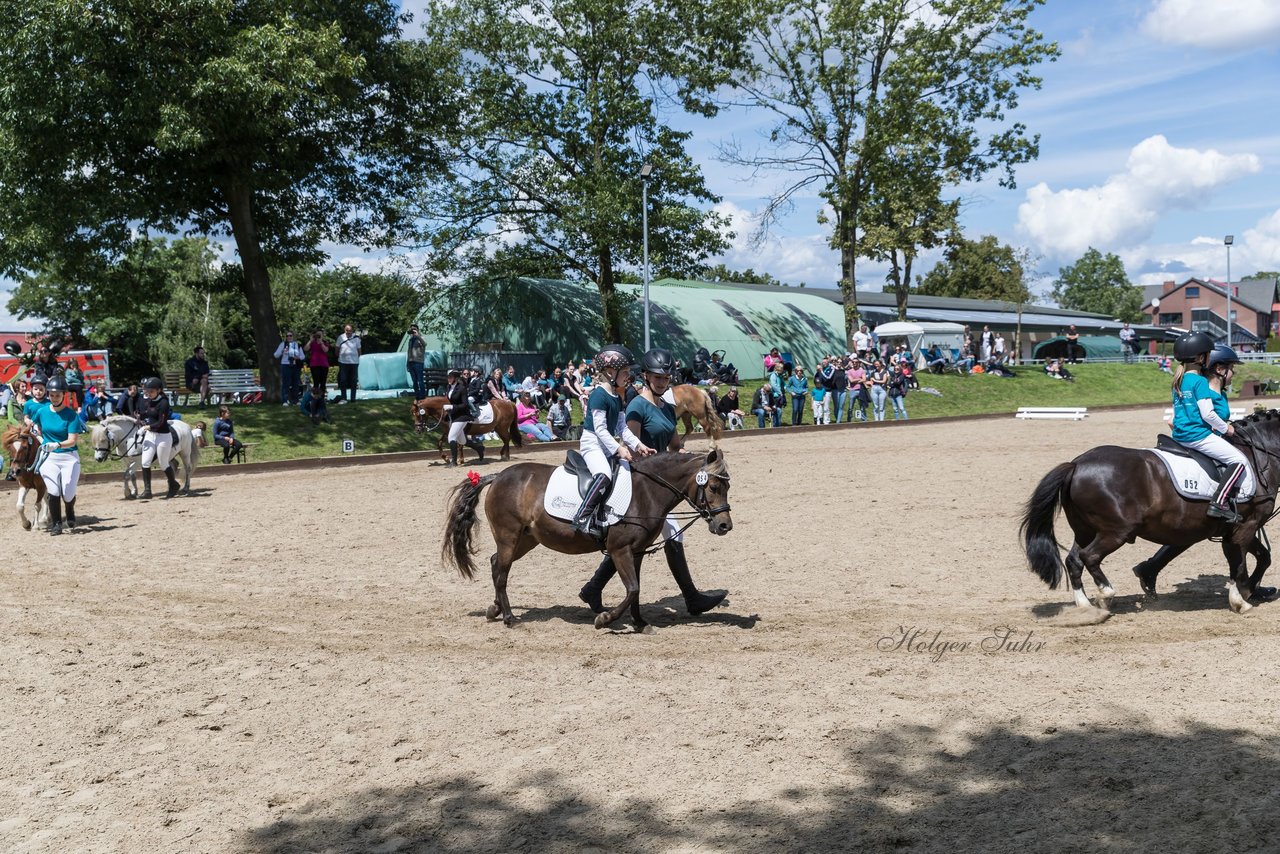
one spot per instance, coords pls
(1225, 452)
(61, 473)
(157, 448)
(596, 460)
(671, 530)
(458, 431)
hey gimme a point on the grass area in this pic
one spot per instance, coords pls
(384, 426)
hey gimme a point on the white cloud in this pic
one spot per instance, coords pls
(1217, 24)
(1123, 211)
(791, 259)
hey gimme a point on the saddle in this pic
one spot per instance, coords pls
(576, 465)
(1214, 469)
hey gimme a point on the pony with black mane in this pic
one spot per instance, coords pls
(21, 444)
(430, 416)
(1112, 496)
(519, 523)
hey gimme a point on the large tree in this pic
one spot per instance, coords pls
(1098, 283)
(848, 80)
(283, 123)
(564, 110)
(979, 269)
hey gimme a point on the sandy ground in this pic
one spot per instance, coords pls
(279, 663)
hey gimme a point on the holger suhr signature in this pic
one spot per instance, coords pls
(932, 643)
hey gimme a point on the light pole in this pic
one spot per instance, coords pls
(1227, 241)
(645, 171)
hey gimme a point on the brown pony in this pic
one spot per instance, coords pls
(429, 415)
(23, 446)
(519, 523)
(692, 402)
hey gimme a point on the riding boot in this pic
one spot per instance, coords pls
(476, 445)
(1223, 503)
(453, 453)
(585, 521)
(593, 590)
(71, 512)
(55, 514)
(695, 601)
(146, 484)
(174, 486)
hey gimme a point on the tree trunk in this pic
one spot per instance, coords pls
(257, 286)
(609, 301)
(848, 281)
(902, 282)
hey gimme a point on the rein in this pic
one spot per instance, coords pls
(701, 509)
(114, 445)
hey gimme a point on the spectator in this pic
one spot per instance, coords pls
(195, 375)
(415, 361)
(936, 363)
(773, 358)
(798, 388)
(988, 343)
(527, 419)
(966, 343)
(224, 435)
(762, 407)
(494, 387)
(965, 365)
(862, 342)
(898, 354)
(1165, 364)
(859, 389)
(313, 405)
(290, 355)
(318, 362)
(1128, 343)
(559, 416)
(820, 404)
(573, 384)
(1073, 345)
(999, 368)
(729, 408)
(1055, 370)
(778, 382)
(878, 379)
(127, 401)
(543, 395)
(349, 344)
(1000, 345)
(909, 373)
(510, 384)
(899, 381)
(95, 406)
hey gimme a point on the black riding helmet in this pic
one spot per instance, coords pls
(1191, 346)
(657, 361)
(38, 379)
(153, 383)
(56, 384)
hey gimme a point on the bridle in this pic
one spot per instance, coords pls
(699, 502)
(423, 422)
(112, 449)
(28, 439)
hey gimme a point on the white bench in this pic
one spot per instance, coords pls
(231, 385)
(1057, 413)
(1237, 412)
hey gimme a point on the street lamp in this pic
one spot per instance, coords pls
(645, 171)
(1227, 241)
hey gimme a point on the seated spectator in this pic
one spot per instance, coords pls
(765, 405)
(936, 363)
(510, 384)
(95, 406)
(996, 365)
(1165, 364)
(560, 416)
(773, 358)
(965, 364)
(1055, 369)
(908, 373)
(313, 405)
(527, 419)
(128, 400)
(224, 434)
(729, 409)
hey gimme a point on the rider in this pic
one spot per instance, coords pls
(653, 419)
(59, 464)
(603, 419)
(39, 398)
(1200, 419)
(157, 442)
(459, 415)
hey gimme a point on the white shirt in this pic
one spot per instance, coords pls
(291, 350)
(348, 349)
(861, 340)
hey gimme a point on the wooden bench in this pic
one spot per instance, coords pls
(234, 385)
(175, 386)
(1055, 413)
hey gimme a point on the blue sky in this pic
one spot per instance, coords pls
(1155, 142)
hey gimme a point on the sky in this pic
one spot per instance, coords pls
(1155, 143)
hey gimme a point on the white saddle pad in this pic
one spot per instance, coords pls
(1190, 479)
(562, 499)
(486, 414)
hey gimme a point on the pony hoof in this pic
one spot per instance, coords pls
(492, 613)
(602, 620)
(1236, 601)
(510, 622)
(645, 630)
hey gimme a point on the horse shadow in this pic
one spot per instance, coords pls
(1202, 593)
(95, 524)
(662, 613)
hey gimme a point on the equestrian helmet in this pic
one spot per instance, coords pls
(1222, 355)
(454, 372)
(1191, 345)
(56, 384)
(613, 356)
(153, 383)
(12, 348)
(38, 378)
(657, 361)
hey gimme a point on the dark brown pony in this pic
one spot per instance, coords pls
(514, 508)
(1112, 496)
(694, 403)
(429, 415)
(22, 446)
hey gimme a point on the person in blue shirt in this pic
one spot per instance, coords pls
(798, 388)
(652, 417)
(39, 398)
(58, 463)
(1200, 418)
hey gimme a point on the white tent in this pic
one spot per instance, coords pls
(921, 335)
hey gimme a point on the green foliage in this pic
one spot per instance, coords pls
(978, 269)
(889, 100)
(563, 111)
(380, 306)
(721, 273)
(1099, 283)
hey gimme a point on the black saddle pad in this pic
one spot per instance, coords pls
(1212, 467)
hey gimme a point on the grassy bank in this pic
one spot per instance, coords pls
(383, 426)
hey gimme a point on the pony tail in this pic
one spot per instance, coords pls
(457, 548)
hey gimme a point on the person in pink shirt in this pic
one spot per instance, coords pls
(859, 395)
(527, 419)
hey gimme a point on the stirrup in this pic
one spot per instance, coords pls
(1224, 512)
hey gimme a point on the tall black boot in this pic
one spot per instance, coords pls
(71, 512)
(696, 602)
(453, 453)
(146, 483)
(476, 444)
(174, 486)
(584, 521)
(1221, 507)
(593, 591)
(55, 514)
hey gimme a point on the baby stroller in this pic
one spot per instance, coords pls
(710, 367)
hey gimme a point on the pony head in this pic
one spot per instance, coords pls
(427, 413)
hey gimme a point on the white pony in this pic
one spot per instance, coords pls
(121, 436)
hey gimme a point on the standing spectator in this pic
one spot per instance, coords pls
(820, 404)
(527, 419)
(318, 361)
(559, 415)
(195, 374)
(1000, 345)
(988, 343)
(1073, 344)
(826, 378)
(778, 382)
(290, 355)
(224, 434)
(897, 388)
(127, 401)
(1128, 343)
(966, 343)
(859, 398)
(762, 406)
(879, 379)
(798, 388)
(416, 362)
(862, 341)
(349, 345)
